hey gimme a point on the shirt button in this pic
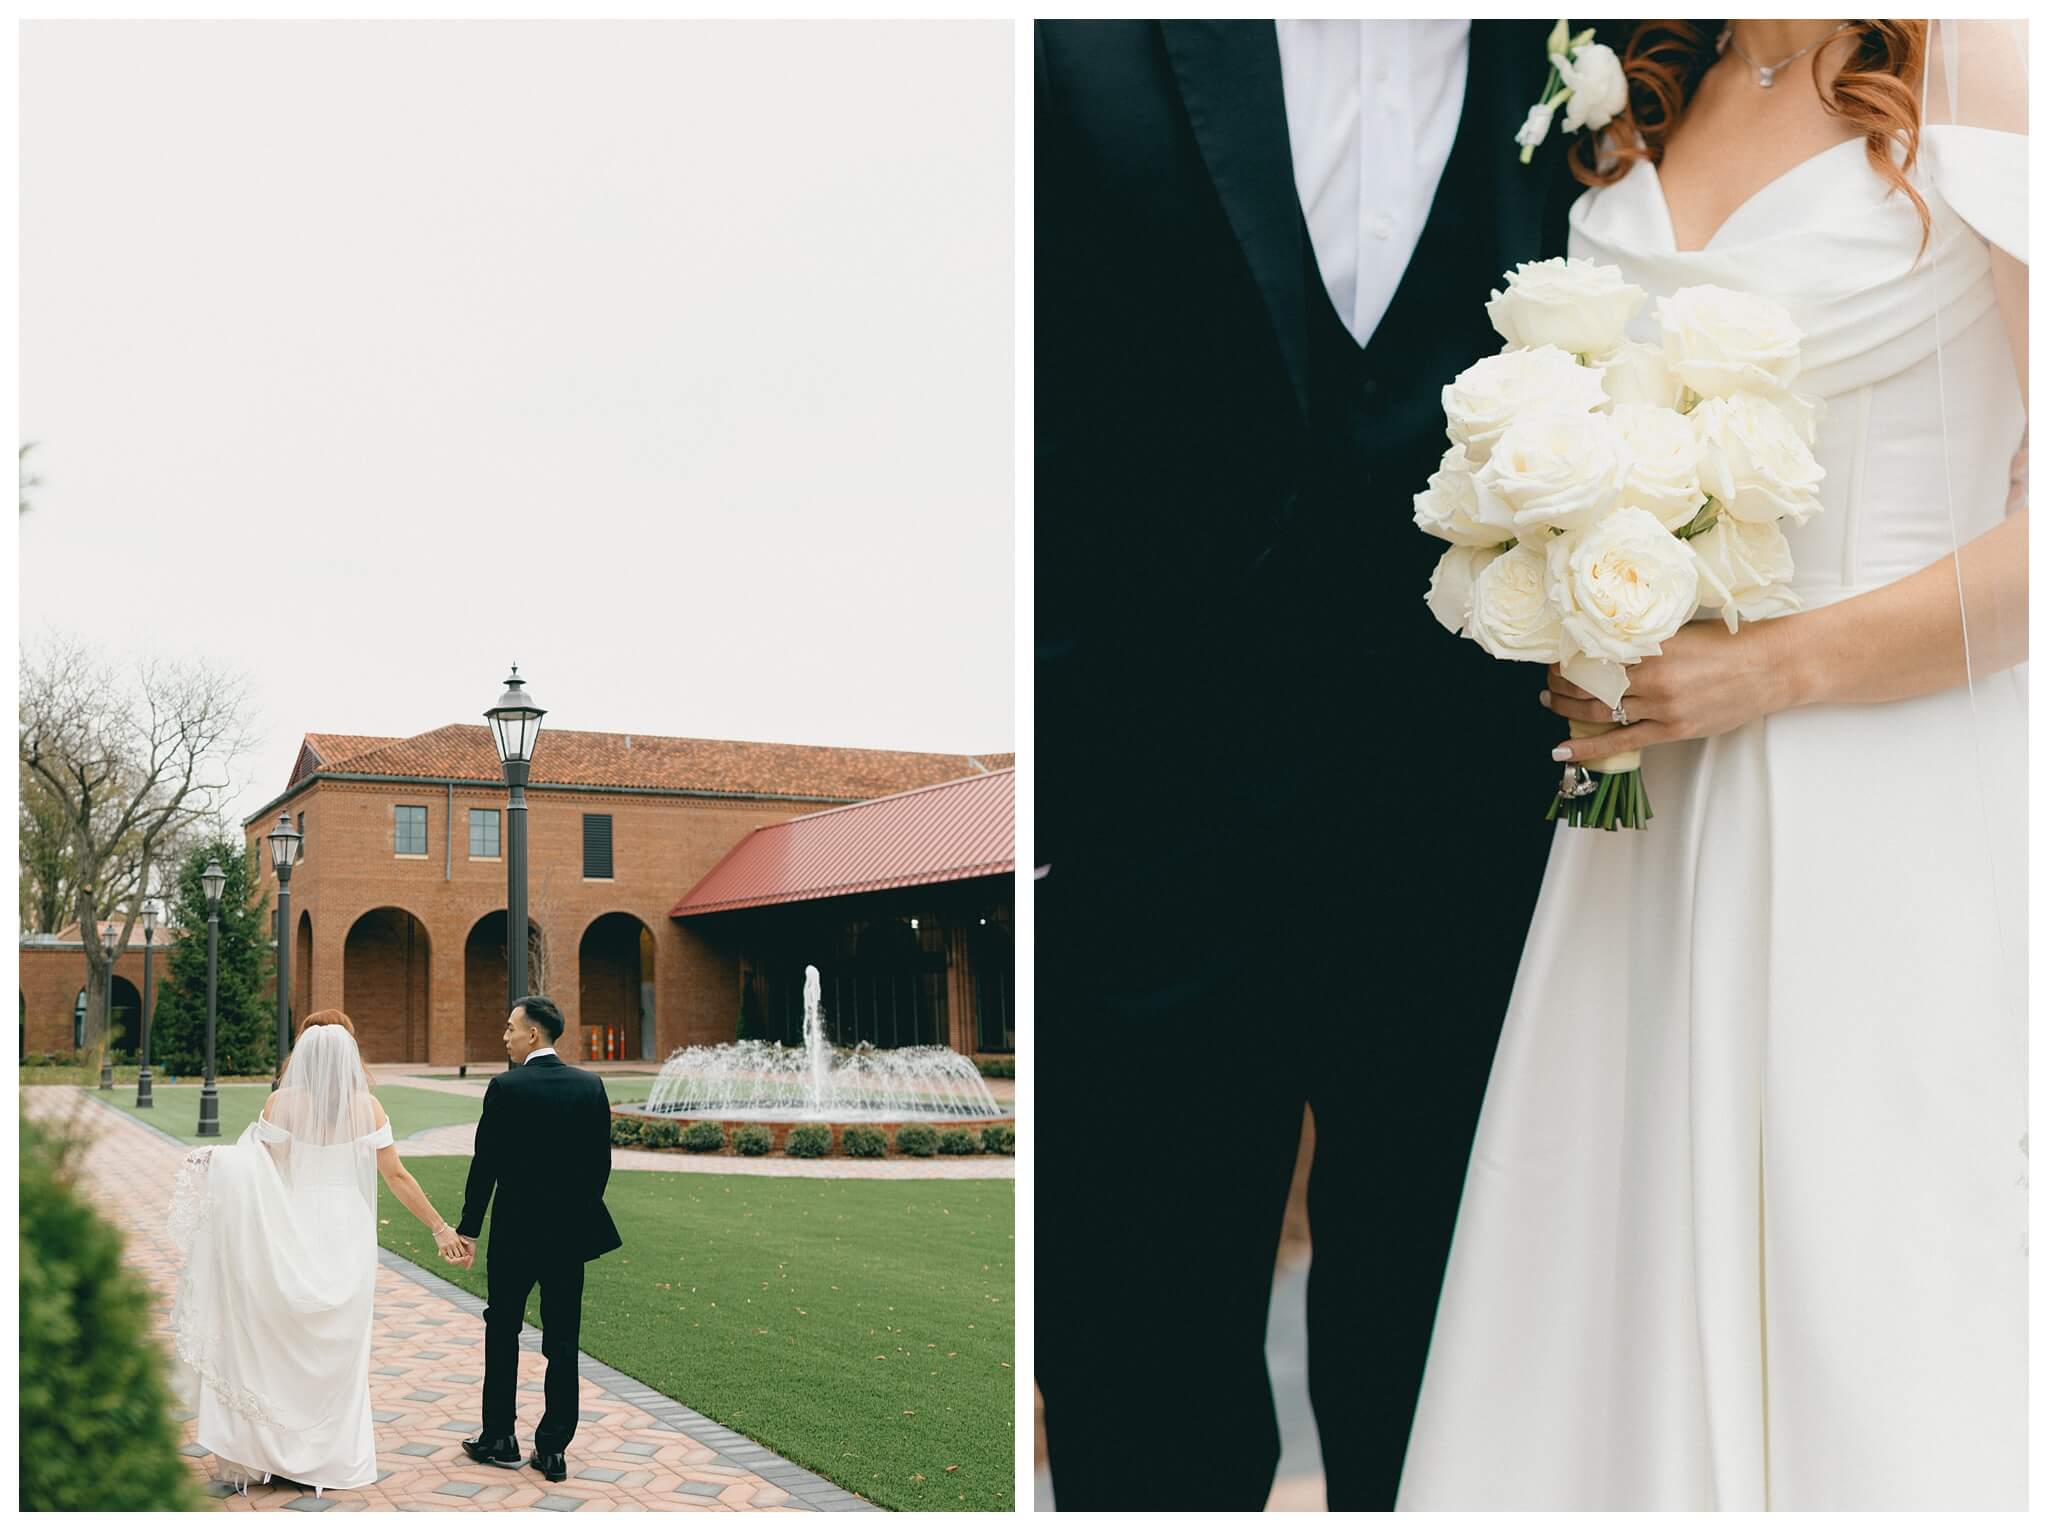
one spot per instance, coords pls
(1382, 227)
(1379, 72)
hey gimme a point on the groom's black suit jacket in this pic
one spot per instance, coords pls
(544, 1143)
(1230, 617)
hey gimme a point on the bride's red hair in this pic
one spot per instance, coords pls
(1664, 61)
(334, 1018)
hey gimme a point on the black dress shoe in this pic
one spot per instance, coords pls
(503, 1452)
(553, 1466)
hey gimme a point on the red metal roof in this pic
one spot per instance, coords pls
(942, 833)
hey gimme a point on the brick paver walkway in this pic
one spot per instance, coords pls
(634, 1450)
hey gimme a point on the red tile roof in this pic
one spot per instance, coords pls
(955, 830)
(567, 757)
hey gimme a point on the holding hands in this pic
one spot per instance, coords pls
(454, 1248)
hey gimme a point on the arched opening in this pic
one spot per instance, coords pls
(386, 966)
(302, 967)
(124, 1019)
(615, 995)
(485, 995)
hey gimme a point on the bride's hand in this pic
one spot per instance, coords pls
(1706, 682)
(450, 1243)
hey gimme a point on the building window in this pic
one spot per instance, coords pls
(409, 831)
(302, 837)
(597, 845)
(483, 832)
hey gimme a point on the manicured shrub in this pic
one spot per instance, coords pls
(703, 1137)
(753, 1140)
(864, 1142)
(808, 1142)
(918, 1142)
(95, 1424)
(999, 1140)
(625, 1131)
(997, 1068)
(660, 1134)
(959, 1140)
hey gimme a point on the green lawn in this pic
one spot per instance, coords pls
(862, 1328)
(177, 1108)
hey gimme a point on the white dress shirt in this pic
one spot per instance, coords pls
(541, 1052)
(1372, 108)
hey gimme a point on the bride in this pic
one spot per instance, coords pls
(1744, 1224)
(272, 1315)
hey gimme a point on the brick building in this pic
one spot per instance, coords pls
(52, 992)
(398, 903)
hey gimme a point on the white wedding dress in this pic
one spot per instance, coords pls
(1744, 1224)
(272, 1316)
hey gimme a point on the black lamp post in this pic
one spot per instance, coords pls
(143, 1099)
(515, 722)
(107, 1041)
(213, 880)
(285, 845)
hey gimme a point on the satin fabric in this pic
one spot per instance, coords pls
(1744, 1224)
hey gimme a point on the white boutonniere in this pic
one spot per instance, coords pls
(1585, 78)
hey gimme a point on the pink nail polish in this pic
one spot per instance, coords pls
(1543, 697)
(1562, 752)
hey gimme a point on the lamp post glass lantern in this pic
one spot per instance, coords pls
(213, 880)
(286, 844)
(144, 1101)
(515, 725)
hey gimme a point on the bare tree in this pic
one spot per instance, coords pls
(134, 765)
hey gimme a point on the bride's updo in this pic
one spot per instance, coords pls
(1665, 60)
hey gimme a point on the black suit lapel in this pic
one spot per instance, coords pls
(1505, 74)
(1229, 76)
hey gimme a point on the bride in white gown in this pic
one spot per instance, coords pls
(1744, 1224)
(272, 1316)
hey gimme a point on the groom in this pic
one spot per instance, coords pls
(544, 1142)
(1292, 831)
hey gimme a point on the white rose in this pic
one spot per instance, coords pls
(1599, 89)
(1535, 127)
(1754, 461)
(1721, 342)
(1552, 470)
(1449, 508)
(1623, 586)
(1635, 372)
(1511, 615)
(1483, 400)
(1744, 567)
(1660, 458)
(1575, 305)
(1450, 587)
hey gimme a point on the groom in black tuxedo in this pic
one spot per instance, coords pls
(544, 1142)
(1290, 831)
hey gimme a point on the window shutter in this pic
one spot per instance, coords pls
(597, 845)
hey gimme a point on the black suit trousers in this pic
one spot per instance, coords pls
(510, 1278)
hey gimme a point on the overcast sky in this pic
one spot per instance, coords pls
(672, 361)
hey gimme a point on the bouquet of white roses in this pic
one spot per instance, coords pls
(1599, 491)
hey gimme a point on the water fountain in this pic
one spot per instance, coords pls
(820, 1083)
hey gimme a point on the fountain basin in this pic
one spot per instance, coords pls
(780, 1126)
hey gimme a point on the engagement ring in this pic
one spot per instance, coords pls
(1620, 714)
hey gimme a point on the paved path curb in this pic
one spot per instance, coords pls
(636, 1450)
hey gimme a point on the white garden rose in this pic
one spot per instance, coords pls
(1511, 615)
(1635, 372)
(1660, 457)
(1561, 471)
(1576, 305)
(1721, 342)
(1484, 399)
(1449, 508)
(1623, 586)
(1599, 88)
(1744, 570)
(1450, 587)
(1754, 461)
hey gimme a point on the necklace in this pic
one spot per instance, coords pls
(1767, 73)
